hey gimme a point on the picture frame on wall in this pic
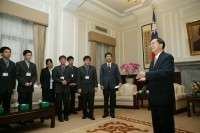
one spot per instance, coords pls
(146, 39)
(193, 31)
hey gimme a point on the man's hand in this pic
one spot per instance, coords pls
(64, 82)
(120, 84)
(27, 84)
(142, 79)
(72, 84)
(102, 87)
(79, 91)
(140, 75)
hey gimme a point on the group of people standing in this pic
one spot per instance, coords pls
(59, 84)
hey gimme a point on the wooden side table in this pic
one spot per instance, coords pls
(142, 96)
(191, 99)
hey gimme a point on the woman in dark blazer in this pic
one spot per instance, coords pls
(47, 83)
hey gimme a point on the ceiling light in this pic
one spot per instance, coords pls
(132, 0)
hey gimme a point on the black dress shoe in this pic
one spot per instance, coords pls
(113, 116)
(21, 123)
(91, 117)
(74, 112)
(104, 115)
(66, 118)
(5, 126)
(30, 121)
(84, 117)
(60, 119)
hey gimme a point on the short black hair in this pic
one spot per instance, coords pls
(62, 56)
(161, 41)
(26, 52)
(48, 60)
(108, 53)
(4, 48)
(86, 57)
(70, 57)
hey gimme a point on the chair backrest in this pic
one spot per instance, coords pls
(178, 89)
(127, 89)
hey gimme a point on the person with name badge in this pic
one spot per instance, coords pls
(26, 74)
(110, 80)
(73, 84)
(87, 84)
(7, 79)
(61, 77)
(47, 84)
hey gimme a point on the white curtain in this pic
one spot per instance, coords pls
(101, 49)
(17, 34)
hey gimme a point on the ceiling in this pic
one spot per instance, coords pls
(117, 8)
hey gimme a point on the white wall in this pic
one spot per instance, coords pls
(67, 32)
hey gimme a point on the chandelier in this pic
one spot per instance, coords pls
(132, 0)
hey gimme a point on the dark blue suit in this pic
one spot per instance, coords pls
(7, 83)
(161, 93)
(109, 78)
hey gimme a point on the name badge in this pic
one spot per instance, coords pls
(5, 74)
(28, 74)
(62, 78)
(87, 77)
(72, 75)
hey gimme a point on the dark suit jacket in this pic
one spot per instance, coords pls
(7, 83)
(21, 70)
(45, 77)
(87, 85)
(160, 78)
(73, 72)
(111, 78)
(57, 74)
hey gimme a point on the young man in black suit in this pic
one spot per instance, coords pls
(109, 79)
(87, 84)
(73, 84)
(46, 80)
(26, 74)
(7, 79)
(161, 89)
(61, 77)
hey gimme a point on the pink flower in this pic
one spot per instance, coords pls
(128, 67)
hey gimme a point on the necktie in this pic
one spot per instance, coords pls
(155, 59)
(62, 68)
(7, 63)
(108, 66)
(87, 68)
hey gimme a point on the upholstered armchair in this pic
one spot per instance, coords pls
(125, 95)
(180, 98)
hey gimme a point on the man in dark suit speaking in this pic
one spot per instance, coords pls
(110, 79)
(161, 89)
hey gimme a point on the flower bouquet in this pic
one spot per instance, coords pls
(130, 67)
(196, 88)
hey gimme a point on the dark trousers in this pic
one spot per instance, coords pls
(5, 99)
(72, 98)
(48, 95)
(109, 93)
(162, 118)
(62, 98)
(88, 103)
(25, 97)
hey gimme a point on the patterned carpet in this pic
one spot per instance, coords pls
(119, 125)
